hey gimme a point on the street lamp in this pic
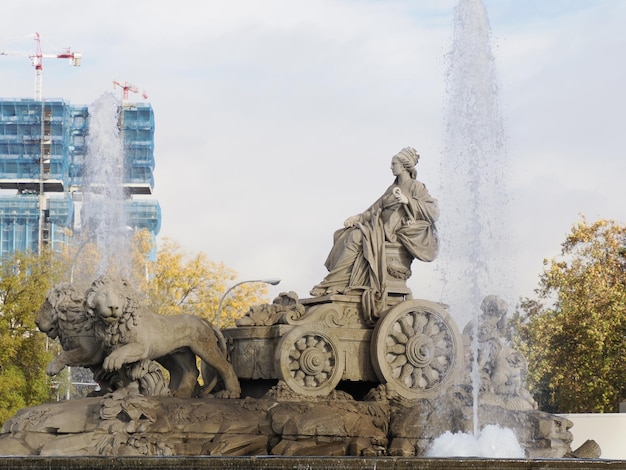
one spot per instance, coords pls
(272, 281)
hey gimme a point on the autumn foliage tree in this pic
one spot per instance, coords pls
(173, 282)
(82, 260)
(185, 283)
(574, 333)
(24, 281)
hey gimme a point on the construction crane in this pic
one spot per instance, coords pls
(46, 131)
(127, 87)
(37, 61)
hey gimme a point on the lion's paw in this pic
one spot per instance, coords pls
(113, 362)
(227, 394)
(54, 368)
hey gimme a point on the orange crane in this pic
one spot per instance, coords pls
(37, 61)
(126, 87)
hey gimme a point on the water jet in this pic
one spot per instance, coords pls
(360, 334)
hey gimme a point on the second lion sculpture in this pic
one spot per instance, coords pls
(130, 333)
(63, 316)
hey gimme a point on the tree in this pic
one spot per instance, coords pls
(574, 333)
(173, 283)
(25, 279)
(82, 260)
(181, 283)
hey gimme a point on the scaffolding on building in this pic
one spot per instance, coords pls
(42, 158)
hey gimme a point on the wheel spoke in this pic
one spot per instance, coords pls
(431, 376)
(440, 364)
(406, 325)
(419, 382)
(398, 335)
(399, 361)
(419, 322)
(309, 363)
(441, 336)
(429, 327)
(407, 370)
(417, 348)
(397, 349)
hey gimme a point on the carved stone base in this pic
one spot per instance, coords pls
(280, 423)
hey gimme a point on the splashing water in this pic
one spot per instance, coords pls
(474, 200)
(474, 197)
(493, 441)
(102, 214)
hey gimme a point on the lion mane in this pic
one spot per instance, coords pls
(63, 316)
(130, 333)
(116, 333)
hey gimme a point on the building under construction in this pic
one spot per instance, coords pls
(43, 154)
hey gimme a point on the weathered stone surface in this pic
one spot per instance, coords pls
(236, 445)
(301, 462)
(311, 352)
(138, 425)
(587, 450)
(415, 350)
(502, 369)
(57, 417)
(402, 221)
(382, 424)
(63, 316)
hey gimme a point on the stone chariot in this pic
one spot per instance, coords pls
(410, 345)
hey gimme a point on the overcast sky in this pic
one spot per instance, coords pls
(277, 119)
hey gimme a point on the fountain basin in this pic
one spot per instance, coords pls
(279, 463)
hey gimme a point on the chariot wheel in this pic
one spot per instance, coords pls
(417, 349)
(309, 361)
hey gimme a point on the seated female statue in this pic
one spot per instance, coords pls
(405, 214)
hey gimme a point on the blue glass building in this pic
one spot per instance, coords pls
(42, 162)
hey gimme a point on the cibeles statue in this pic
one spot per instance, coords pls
(372, 254)
(378, 371)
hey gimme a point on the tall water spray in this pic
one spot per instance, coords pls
(102, 213)
(473, 197)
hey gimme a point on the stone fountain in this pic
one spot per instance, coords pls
(359, 369)
(359, 375)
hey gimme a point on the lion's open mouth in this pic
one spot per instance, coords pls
(52, 333)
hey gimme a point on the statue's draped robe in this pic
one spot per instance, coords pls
(357, 259)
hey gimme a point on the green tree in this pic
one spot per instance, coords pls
(175, 283)
(574, 333)
(25, 279)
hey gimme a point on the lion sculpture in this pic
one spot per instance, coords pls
(62, 316)
(131, 333)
